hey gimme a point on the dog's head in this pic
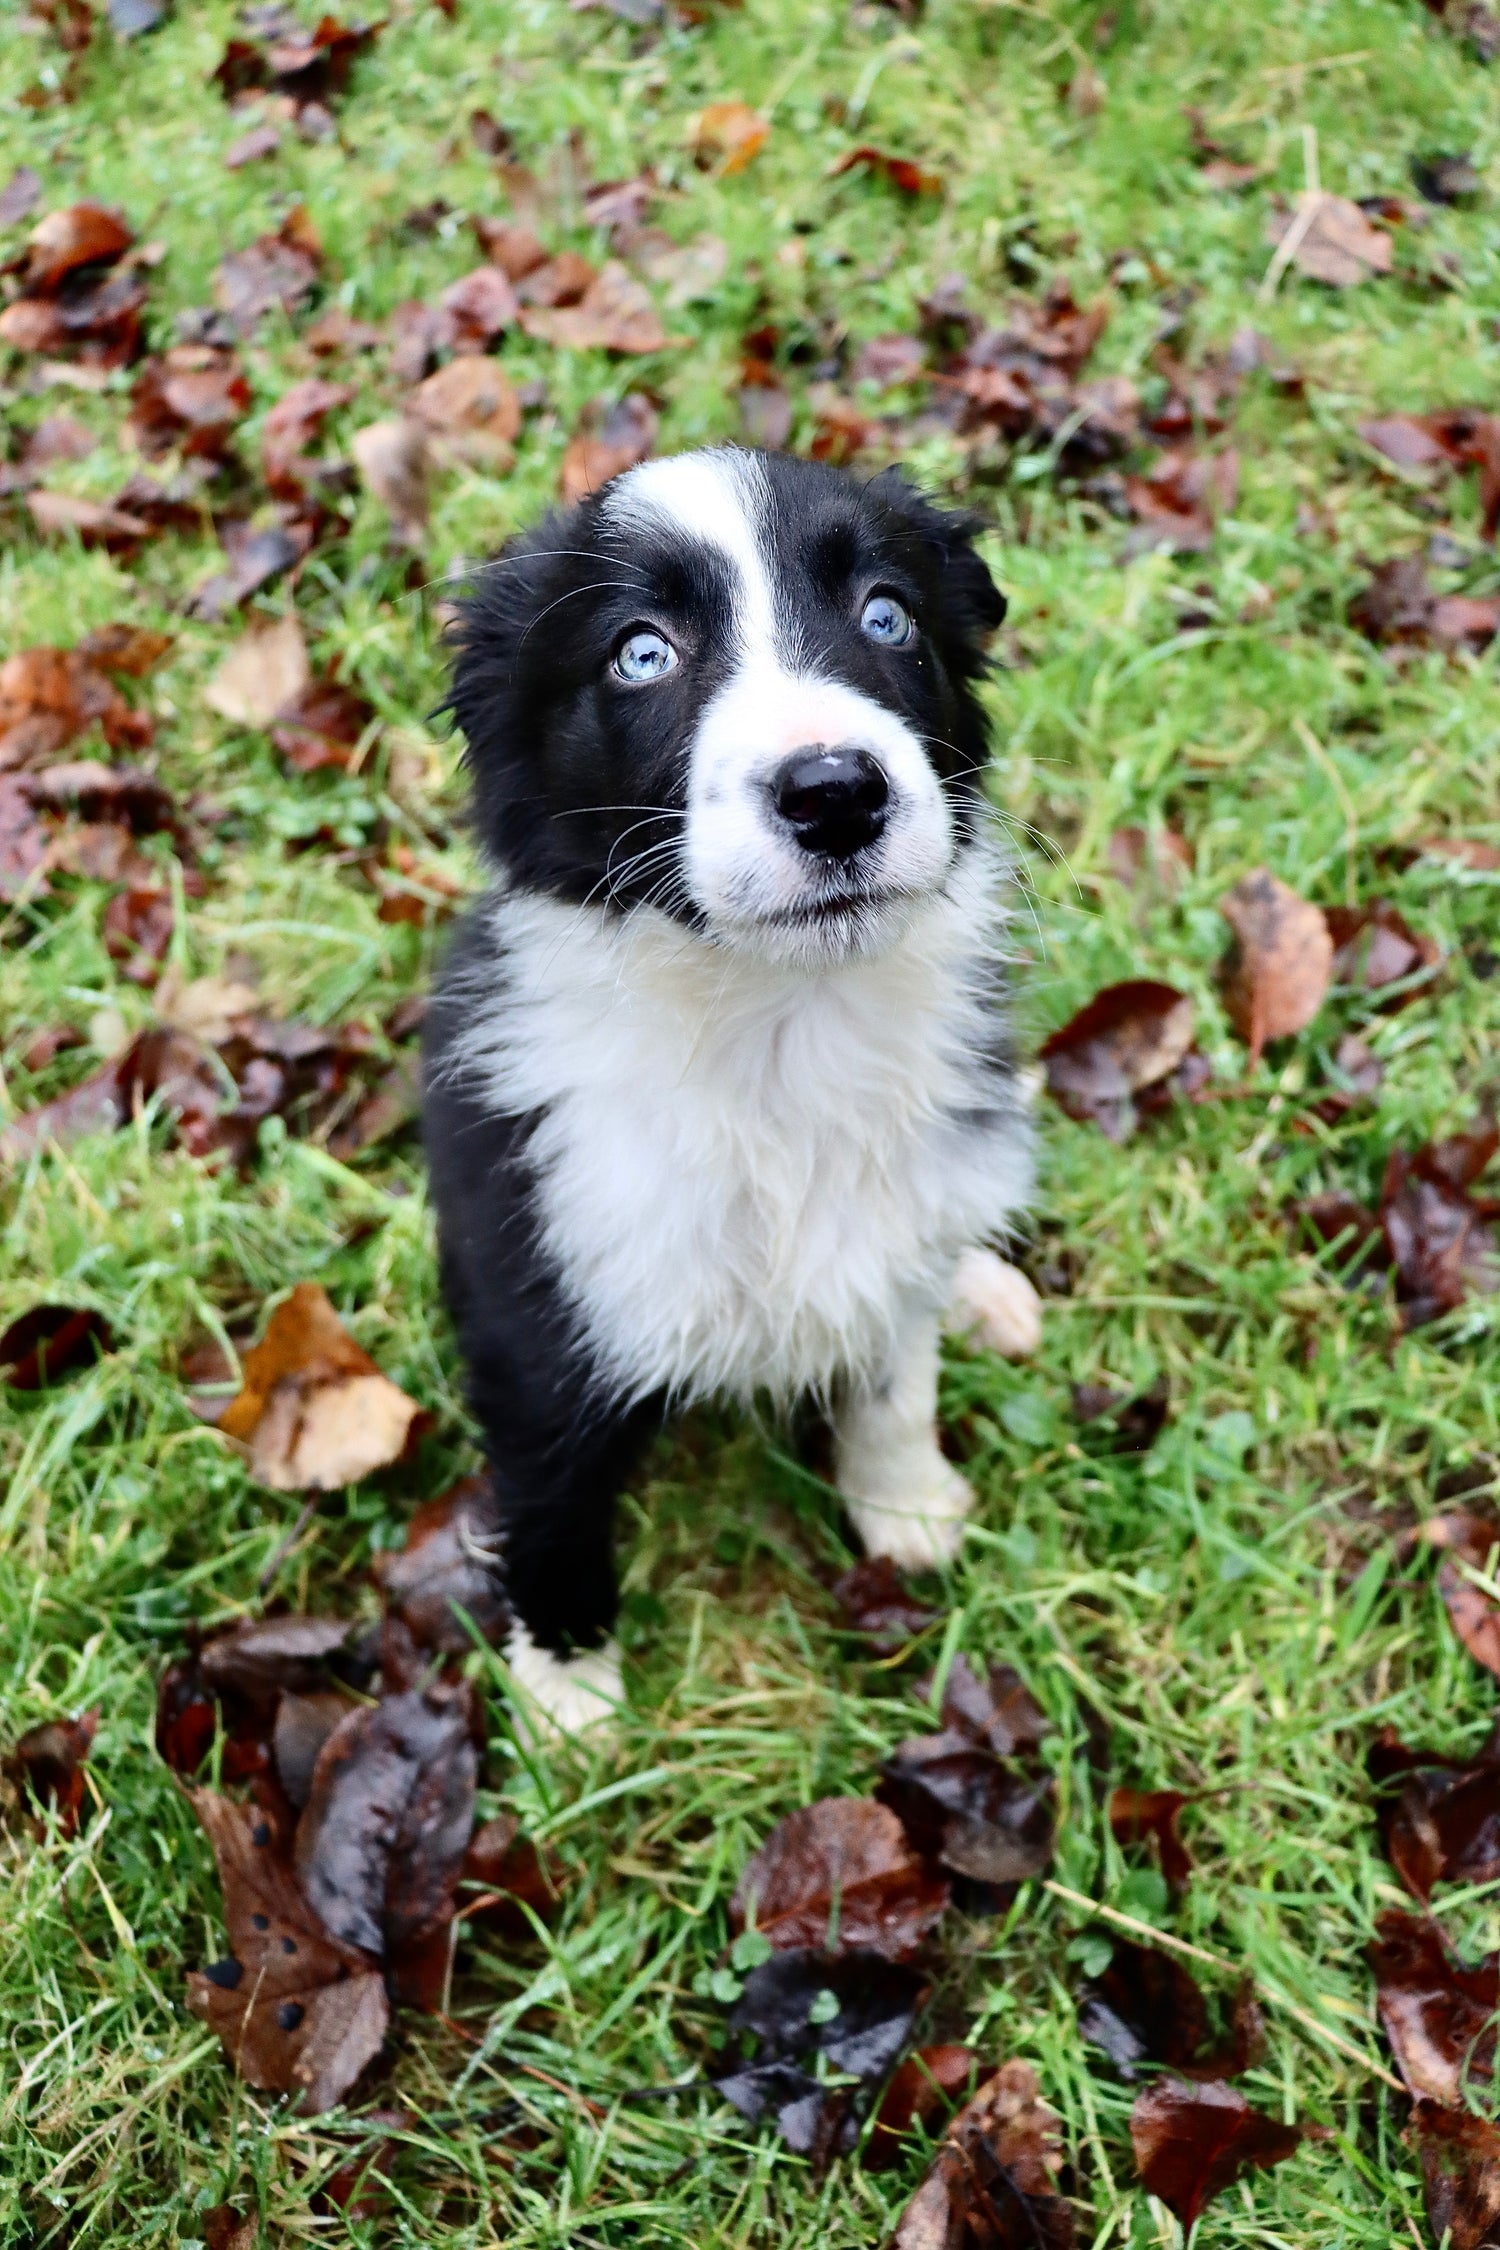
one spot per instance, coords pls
(738, 688)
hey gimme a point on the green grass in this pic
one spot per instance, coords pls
(1230, 1602)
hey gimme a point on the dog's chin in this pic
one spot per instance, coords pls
(821, 931)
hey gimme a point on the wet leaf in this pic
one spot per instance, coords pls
(616, 313)
(1193, 2141)
(1277, 971)
(920, 2089)
(876, 1601)
(290, 428)
(188, 399)
(91, 522)
(993, 2183)
(1177, 501)
(1375, 946)
(380, 1846)
(840, 1874)
(729, 133)
(964, 1808)
(302, 1725)
(48, 1761)
(472, 412)
(1330, 239)
(315, 1413)
(1147, 2007)
(900, 171)
(266, 669)
(51, 1341)
(509, 1875)
(1399, 607)
(1135, 1814)
(1460, 2158)
(997, 1711)
(1124, 1424)
(1442, 178)
(608, 441)
(279, 269)
(322, 725)
(449, 1571)
(1129, 1036)
(1440, 1238)
(1438, 1817)
(297, 2012)
(1437, 2012)
(854, 2008)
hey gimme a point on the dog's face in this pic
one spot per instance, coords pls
(737, 688)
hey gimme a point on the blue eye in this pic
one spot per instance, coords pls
(645, 656)
(885, 622)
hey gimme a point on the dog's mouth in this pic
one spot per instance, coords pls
(835, 907)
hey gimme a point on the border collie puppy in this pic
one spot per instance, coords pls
(718, 1089)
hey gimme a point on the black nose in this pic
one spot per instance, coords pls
(832, 800)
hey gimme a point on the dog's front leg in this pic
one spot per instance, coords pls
(905, 1499)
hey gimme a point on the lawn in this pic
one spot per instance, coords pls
(1233, 1602)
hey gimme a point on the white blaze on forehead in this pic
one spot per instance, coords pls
(719, 498)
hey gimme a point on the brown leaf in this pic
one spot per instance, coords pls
(900, 171)
(188, 399)
(1334, 241)
(290, 428)
(50, 1341)
(877, 1601)
(275, 269)
(256, 554)
(48, 1761)
(1129, 1036)
(314, 1411)
(57, 437)
(472, 412)
(1438, 2013)
(83, 235)
(50, 696)
(1146, 2007)
(322, 725)
(1441, 1242)
(266, 669)
(1178, 499)
(509, 1875)
(91, 522)
(616, 313)
(1375, 946)
(1193, 2141)
(1399, 607)
(840, 1874)
(1462, 851)
(920, 2089)
(1135, 1814)
(731, 133)
(608, 441)
(1438, 1817)
(478, 308)
(993, 2183)
(381, 1844)
(449, 1570)
(962, 1807)
(260, 141)
(1277, 972)
(297, 2011)
(20, 195)
(1133, 1423)
(394, 459)
(1460, 2158)
(137, 929)
(1138, 856)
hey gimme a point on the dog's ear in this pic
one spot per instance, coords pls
(973, 604)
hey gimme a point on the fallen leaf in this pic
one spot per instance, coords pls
(1193, 2141)
(1374, 946)
(1330, 239)
(1135, 1814)
(241, 1679)
(261, 141)
(48, 1764)
(137, 929)
(902, 173)
(257, 554)
(993, 2183)
(888, 360)
(997, 1711)
(266, 669)
(82, 235)
(513, 1879)
(785, 2008)
(920, 2089)
(57, 437)
(616, 313)
(608, 441)
(1132, 1423)
(297, 2012)
(876, 1601)
(290, 428)
(1177, 501)
(1460, 2158)
(188, 399)
(225, 2228)
(1440, 1238)
(51, 696)
(309, 69)
(1277, 971)
(959, 1800)
(1462, 851)
(315, 1413)
(1438, 1817)
(91, 522)
(1020, 381)
(20, 195)
(1129, 1036)
(730, 132)
(1446, 178)
(840, 1874)
(1146, 2007)
(1400, 608)
(448, 1571)
(279, 269)
(687, 273)
(322, 725)
(49, 1341)
(1138, 856)
(394, 459)
(1437, 2012)
(1358, 1074)
(472, 412)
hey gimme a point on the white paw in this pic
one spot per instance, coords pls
(560, 1698)
(920, 1530)
(995, 1306)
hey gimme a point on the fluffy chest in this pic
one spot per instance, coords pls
(741, 1174)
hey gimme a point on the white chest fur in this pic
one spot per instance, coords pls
(745, 1171)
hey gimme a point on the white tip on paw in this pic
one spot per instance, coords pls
(559, 1697)
(994, 1306)
(920, 1530)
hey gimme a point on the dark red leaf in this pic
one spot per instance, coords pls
(1135, 1814)
(993, 2183)
(322, 726)
(449, 1571)
(1438, 2013)
(840, 1874)
(1441, 1244)
(920, 2089)
(188, 400)
(48, 1762)
(902, 173)
(1400, 607)
(1129, 1036)
(1460, 2158)
(1193, 2141)
(1439, 1818)
(137, 930)
(276, 269)
(508, 1875)
(51, 1341)
(1147, 2007)
(876, 1601)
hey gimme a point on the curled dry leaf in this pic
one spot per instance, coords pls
(47, 1762)
(1437, 2012)
(315, 1413)
(840, 1874)
(1438, 1817)
(50, 1341)
(784, 2008)
(919, 2090)
(607, 443)
(1193, 2141)
(729, 133)
(297, 2012)
(448, 1573)
(1136, 1814)
(1277, 971)
(1148, 2008)
(1128, 1037)
(993, 2183)
(1459, 2153)
(1330, 239)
